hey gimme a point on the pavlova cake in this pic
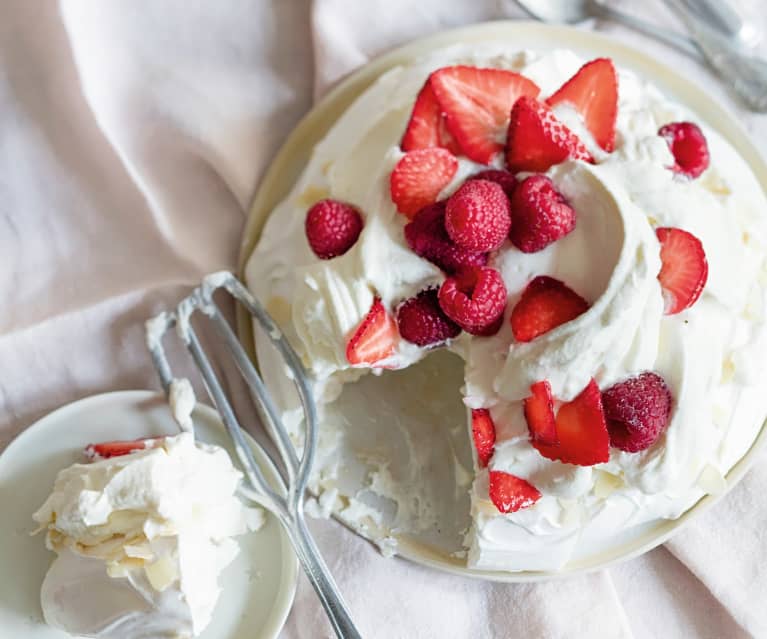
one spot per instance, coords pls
(593, 252)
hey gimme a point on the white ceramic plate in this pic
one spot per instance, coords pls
(365, 407)
(258, 587)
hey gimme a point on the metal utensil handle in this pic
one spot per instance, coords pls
(671, 38)
(718, 14)
(745, 74)
(322, 581)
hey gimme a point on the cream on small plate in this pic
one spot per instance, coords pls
(257, 583)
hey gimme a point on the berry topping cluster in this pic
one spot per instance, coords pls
(467, 112)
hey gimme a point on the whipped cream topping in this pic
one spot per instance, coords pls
(709, 355)
(141, 540)
(182, 402)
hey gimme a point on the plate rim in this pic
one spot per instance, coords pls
(330, 107)
(286, 593)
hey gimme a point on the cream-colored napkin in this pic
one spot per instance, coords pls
(132, 138)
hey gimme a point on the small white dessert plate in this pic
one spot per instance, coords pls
(258, 587)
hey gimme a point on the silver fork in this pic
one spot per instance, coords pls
(288, 504)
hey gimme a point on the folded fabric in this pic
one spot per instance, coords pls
(132, 139)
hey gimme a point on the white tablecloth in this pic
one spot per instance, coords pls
(132, 138)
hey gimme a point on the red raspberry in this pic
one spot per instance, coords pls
(504, 179)
(539, 214)
(427, 237)
(421, 321)
(475, 299)
(332, 228)
(477, 216)
(689, 146)
(637, 411)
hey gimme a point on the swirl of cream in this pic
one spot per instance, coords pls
(612, 259)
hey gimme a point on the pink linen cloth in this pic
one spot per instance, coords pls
(132, 139)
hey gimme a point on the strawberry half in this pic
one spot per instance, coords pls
(418, 178)
(510, 493)
(539, 413)
(582, 431)
(427, 126)
(537, 140)
(476, 103)
(545, 304)
(684, 271)
(105, 450)
(483, 433)
(593, 92)
(375, 338)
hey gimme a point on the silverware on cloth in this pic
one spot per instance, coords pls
(719, 37)
(721, 16)
(287, 504)
(573, 11)
(738, 67)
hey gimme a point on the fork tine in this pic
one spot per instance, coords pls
(289, 511)
(155, 330)
(268, 411)
(241, 447)
(238, 290)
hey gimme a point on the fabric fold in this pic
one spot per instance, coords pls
(132, 139)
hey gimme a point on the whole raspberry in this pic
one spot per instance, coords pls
(539, 214)
(504, 179)
(332, 228)
(475, 299)
(421, 321)
(689, 147)
(637, 411)
(477, 215)
(427, 237)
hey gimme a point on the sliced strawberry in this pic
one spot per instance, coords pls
(427, 126)
(582, 431)
(593, 92)
(105, 450)
(545, 304)
(418, 178)
(375, 338)
(685, 268)
(483, 432)
(539, 413)
(537, 140)
(476, 103)
(510, 493)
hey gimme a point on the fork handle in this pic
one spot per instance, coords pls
(321, 579)
(667, 36)
(745, 73)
